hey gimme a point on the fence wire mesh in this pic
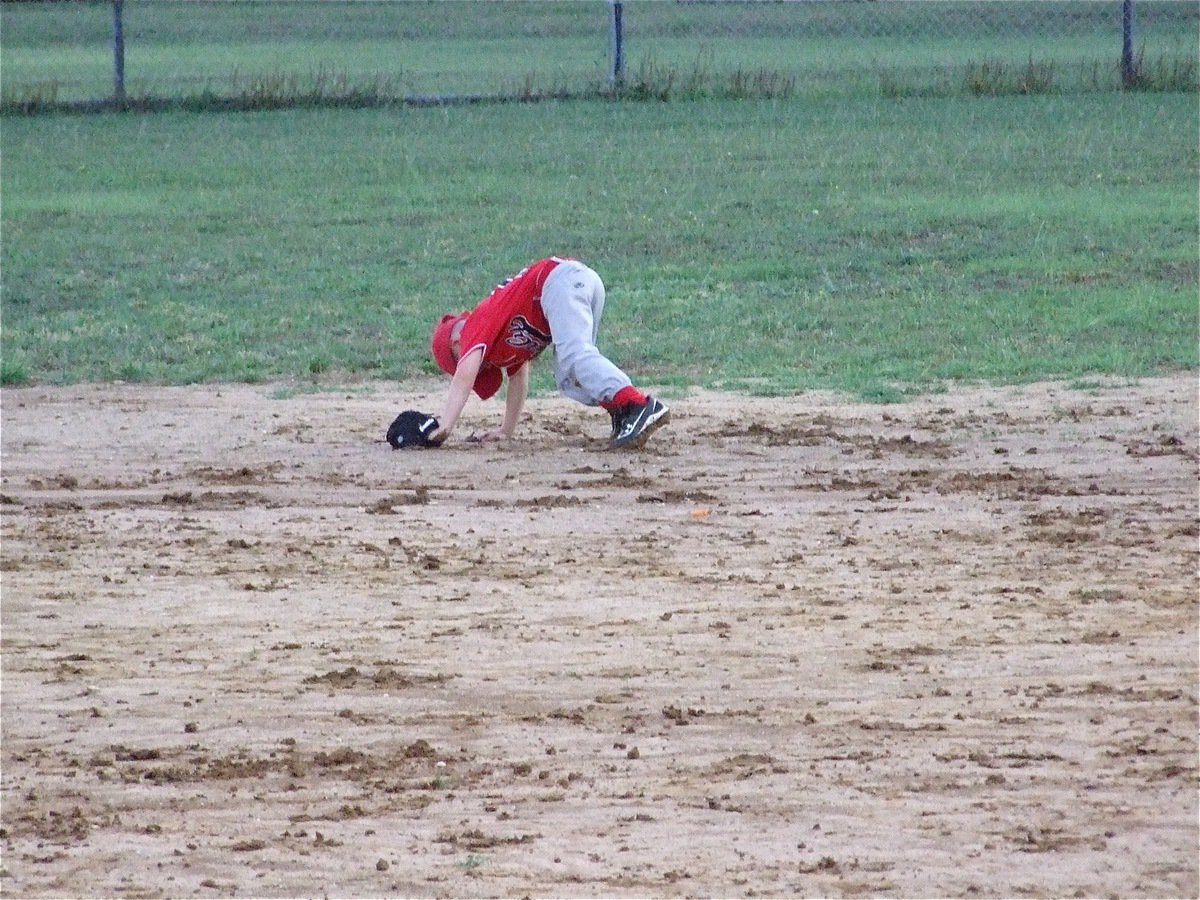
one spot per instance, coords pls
(63, 52)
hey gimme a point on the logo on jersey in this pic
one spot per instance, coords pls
(524, 337)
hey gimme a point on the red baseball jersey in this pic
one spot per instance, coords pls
(509, 323)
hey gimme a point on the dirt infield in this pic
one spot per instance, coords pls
(793, 647)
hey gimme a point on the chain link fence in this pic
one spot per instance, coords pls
(261, 53)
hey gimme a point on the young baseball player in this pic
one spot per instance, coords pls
(556, 301)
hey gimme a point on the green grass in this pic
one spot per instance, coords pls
(879, 247)
(62, 52)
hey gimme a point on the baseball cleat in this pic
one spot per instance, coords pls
(633, 424)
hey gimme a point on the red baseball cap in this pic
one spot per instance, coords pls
(489, 379)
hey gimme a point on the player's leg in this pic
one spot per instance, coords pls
(573, 301)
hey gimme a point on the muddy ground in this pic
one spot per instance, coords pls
(794, 647)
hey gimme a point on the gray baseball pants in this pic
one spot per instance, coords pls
(573, 301)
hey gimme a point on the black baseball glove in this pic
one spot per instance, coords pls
(412, 429)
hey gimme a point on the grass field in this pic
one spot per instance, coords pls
(880, 245)
(63, 51)
(863, 246)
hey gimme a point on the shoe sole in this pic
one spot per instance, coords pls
(639, 440)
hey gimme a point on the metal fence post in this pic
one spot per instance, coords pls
(118, 53)
(616, 55)
(1128, 69)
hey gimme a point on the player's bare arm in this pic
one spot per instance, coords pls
(461, 383)
(514, 403)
